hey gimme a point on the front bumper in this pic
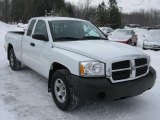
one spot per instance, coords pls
(97, 88)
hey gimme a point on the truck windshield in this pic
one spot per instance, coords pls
(70, 30)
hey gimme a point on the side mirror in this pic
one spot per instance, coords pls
(40, 37)
(106, 35)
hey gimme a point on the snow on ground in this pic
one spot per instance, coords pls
(24, 96)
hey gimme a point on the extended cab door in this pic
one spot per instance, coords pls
(26, 44)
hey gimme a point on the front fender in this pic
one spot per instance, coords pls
(67, 58)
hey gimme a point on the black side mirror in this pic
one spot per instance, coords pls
(40, 37)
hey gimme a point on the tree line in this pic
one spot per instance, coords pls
(23, 10)
(102, 15)
(142, 17)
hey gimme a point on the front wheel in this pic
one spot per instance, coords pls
(14, 63)
(63, 92)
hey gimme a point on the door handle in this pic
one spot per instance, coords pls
(32, 44)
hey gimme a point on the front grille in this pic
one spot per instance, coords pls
(129, 69)
(142, 70)
(119, 75)
(121, 65)
(141, 61)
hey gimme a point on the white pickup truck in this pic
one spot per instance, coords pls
(78, 61)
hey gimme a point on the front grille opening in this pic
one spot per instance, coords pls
(120, 75)
(141, 61)
(121, 65)
(141, 71)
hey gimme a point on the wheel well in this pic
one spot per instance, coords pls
(54, 67)
(9, 48)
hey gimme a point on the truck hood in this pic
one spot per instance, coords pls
(100, 50)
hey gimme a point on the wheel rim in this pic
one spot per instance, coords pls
(11, 59)
(60, 90)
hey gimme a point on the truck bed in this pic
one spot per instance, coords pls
(15, 38)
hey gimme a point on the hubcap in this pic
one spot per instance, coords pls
(11, 59)
(60, 90)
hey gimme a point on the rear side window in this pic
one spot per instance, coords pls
(30, 28)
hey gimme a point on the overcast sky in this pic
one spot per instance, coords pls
(128, 5)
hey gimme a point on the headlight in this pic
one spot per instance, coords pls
(92, 69)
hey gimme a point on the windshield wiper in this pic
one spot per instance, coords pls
(67, 38)
(94, 37)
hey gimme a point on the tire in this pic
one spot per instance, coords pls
(65, 100)
(14, 63)
(144, 48)
(135, 44)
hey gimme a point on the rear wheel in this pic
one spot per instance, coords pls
(63, 92)
(14, 63)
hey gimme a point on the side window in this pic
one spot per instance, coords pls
(41, 28)
(30, 28)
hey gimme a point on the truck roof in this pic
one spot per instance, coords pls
(57, 18)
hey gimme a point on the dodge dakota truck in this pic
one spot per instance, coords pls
(80, 63)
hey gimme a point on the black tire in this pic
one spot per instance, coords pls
(14, 63)
(144, 48)
(72, 101)
(135, 44)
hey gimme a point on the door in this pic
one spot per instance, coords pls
(36, 48)
(40, 48)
